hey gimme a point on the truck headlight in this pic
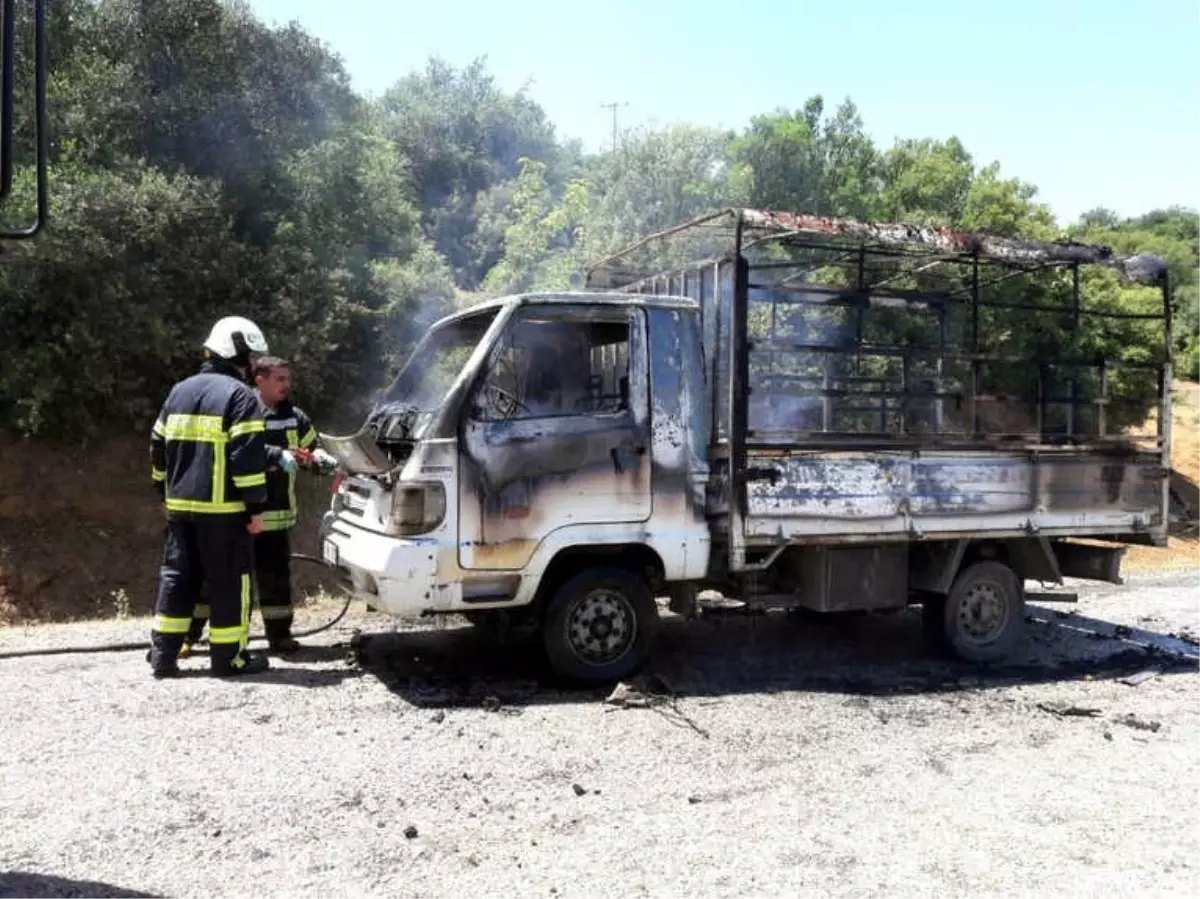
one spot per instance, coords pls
(417, 508)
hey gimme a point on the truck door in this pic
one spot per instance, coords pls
(556, 432)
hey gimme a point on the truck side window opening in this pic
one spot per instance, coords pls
(550, 368)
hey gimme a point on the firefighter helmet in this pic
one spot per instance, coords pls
(234, 337)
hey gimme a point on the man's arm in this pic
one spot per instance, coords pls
(158, 454)
(248, 450)
(304, 427)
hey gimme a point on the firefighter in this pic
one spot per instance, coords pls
(209, 461)
(290, 442)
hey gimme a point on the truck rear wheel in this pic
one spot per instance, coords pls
(982, 617)
(599, 625)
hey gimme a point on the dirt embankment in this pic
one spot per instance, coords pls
(81, 530)
(1184, 548)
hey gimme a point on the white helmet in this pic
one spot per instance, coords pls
(234, 337)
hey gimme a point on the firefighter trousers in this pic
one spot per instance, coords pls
(273, 575)
(213, 553)
(273, 580)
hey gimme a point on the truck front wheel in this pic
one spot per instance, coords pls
(599, 625)
(982, 617)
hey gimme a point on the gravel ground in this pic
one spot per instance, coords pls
(792, 757)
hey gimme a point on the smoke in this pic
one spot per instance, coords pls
(789, 364)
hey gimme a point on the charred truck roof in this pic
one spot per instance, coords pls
(752, 227)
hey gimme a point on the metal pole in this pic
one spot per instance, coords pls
(1073, 407)
(613, 107)
(6, 101)
(1164, 399)
(975, 345)
(739, 368)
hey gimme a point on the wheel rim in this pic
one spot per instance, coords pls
(983, 612)
(601, 627)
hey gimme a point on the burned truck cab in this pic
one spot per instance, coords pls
(526, 440)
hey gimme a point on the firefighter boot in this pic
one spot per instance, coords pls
(164, 654)
(277, 622)
(285, 645)
(229, 661)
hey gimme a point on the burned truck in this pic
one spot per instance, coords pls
(794, 412)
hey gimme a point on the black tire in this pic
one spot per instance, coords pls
(599, 626)
(933, 612)
(982, 617)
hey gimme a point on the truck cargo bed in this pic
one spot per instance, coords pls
(871, 382)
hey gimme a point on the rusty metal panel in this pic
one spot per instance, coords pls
(679, 424)
(841, 579)
(857, 495)
(872, 486)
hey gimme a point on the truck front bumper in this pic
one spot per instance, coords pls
(391, 574)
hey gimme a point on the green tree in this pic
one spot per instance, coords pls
(926, 181)
(541, 246)
(803, 161)
(462, 136)
(657, 179)
(102, 312)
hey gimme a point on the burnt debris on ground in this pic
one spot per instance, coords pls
(867, 655)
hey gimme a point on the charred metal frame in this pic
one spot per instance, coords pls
(7, 101)
(729, 242)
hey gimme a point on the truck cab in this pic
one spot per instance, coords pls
(531, 444)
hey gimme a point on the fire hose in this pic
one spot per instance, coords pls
(134, 647)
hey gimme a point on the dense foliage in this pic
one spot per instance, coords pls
(206, 164)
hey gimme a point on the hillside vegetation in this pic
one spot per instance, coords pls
(205, 163)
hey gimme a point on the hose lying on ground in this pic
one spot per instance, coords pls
(134, 647)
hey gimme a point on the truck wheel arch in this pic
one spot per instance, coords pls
(934, 567)
(636, 558)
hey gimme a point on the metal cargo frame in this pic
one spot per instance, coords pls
(1008, 357)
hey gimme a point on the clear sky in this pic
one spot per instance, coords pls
(1097, 102)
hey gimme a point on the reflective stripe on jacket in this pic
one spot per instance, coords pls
(287, 427)
(208, 448)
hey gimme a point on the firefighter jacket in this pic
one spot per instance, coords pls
(287, 428)
(207, 449)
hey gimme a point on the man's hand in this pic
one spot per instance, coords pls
(287, 460)
(255, 525)
(303, 456)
